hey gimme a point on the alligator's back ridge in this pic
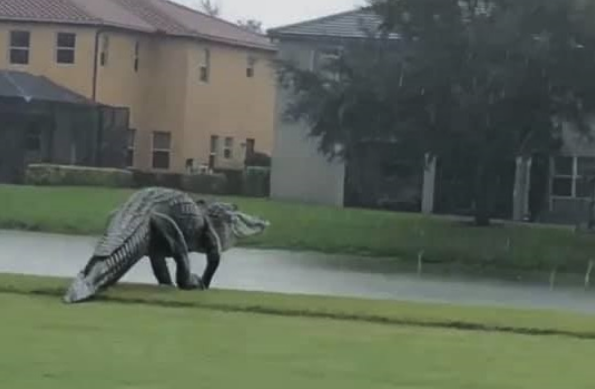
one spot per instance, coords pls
(130, 217)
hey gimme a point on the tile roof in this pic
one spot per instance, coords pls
(349, 24)
(22, 85)
(139, 15)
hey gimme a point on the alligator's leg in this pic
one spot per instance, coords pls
(212, 247)
(160, 269)
(166, 228)
(157, 253)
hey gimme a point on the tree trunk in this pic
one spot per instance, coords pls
(482, 196)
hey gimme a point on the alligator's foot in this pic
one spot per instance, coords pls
(193, 283)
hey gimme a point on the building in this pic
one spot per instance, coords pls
(299, 171)
(199, 90)
(543, 188)
(41, 121)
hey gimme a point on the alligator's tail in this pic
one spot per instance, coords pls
(84, 285)
(80, 290)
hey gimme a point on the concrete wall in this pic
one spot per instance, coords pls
(165, 92)
(299, 171)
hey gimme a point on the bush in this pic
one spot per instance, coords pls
(205, 183)
(195, 183)
(259, 159)
(256, 182)
(143, 179)
(68, 175)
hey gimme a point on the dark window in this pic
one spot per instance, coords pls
(130, 149)
(562, 186)
(585, 166)
(214, 144)
(161, 160)
(228, 148)
(104, 56)
(136, 55)
(563, 166)
(250, 67)
(65, 47)
(20, 42)
(250, 146)
(584, 188)
(161, 150)
(205, 66)
(33, 138)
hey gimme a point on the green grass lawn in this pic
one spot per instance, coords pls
(496, 319)
(109, 345)
(326, 229)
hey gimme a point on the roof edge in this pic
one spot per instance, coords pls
(279, 30)
(100, 24)
(217, 18)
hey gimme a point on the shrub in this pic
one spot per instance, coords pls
(143, 179)
(258, 159)
(205, 183)
(68, 175)
(195, 183)
(256, 182)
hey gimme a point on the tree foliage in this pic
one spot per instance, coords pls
(211, 8)
(251, 25)
(491, 79)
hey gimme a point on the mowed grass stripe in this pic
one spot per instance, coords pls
(447, 316)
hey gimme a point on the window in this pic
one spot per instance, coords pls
(161, 150)
(103, 57)
(250, 66)
(20, 42)
(65, 47)
(228, 148)
(214, 151)
(136, 55)
(250, 144)
(571, 176)
(33, 138)
(325, 62)
(205, 66)
(130, 150)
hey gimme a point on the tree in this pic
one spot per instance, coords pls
(490, 80)
(251, 25)
(210, 8)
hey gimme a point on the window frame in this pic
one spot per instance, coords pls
(574, 177)
(136, 56)
(251, 66)
(131, 147)
(228, 149)
(59, 48)
(104, 53)
(26, 49)
(204, 69)
(155, 150)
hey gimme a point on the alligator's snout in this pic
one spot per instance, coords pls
(79, 290)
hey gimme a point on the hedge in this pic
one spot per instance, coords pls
(251, 182)
(67, 175)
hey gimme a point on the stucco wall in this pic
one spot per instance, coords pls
(165, 93)
(299, 172)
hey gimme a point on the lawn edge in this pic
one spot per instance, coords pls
(53, 287)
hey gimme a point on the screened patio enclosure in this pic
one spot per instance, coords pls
(42, 122)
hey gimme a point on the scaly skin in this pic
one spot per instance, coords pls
(160, 223)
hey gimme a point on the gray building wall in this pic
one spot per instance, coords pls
(299, 172)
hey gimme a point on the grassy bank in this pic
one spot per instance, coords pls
(325, 229)
(107, 344)
(488, 319)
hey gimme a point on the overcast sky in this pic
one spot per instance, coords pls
(273, 13)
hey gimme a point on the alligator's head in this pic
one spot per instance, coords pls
(231, 224)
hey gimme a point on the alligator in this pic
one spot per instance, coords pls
(158, 223)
